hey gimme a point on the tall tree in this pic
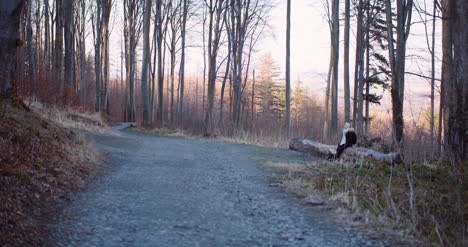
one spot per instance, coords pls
(159, 46)
(81, 34)
(47, 44)
(58, 48)
(101, 32)
(180, 103)
(106, 14)
(10, 12)
(216, 10)
(336, 54)
(97, 35)
(132, 32)
(174, 23)
(397, 56)
(244, 17)
(146, 59)
(347, 104)
(454, 78)
(68, 7)
(288, 67)
(31, 60)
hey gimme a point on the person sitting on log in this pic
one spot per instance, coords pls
(348, 139)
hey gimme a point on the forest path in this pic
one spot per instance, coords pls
(158, 191)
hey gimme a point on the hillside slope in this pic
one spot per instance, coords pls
(40, 163)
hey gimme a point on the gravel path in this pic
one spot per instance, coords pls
(161, 191)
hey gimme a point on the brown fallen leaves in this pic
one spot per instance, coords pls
(40, 163)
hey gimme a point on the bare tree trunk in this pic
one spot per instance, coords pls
(69, 38)
(47, 46)
(97, 54)
(180, 103)
(106, 11)
(216, 12)
(81, 49)
(326, 124)
(454, 76)
(336, 53)
(397, 63)
(223, 85)
(172, 71)
(252, 118)
(367, 83)
(159, 20)
(20, 60)
(359, 70)
(10, 12)
(31, 61)
(59, 44)
(145, 58)
(346, 62)
(288, 69)
(434, 11)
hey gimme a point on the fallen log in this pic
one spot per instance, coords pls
(353, 154)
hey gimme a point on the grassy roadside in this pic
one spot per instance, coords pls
(379, 195)
(41, 162)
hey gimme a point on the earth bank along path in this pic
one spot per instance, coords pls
(158, 191)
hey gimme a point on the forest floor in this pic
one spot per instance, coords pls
(166, 191)
(41, 163)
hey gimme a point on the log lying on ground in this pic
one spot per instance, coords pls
(353, 154)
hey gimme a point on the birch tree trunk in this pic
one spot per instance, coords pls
(10, 12)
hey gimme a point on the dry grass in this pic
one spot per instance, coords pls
(72, 118)
(166, 132)
(261, 139)
(379, 194)
(288, 167)
(40, 164)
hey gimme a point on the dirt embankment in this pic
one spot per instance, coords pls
(41, 162)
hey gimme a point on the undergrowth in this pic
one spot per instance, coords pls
(382, 193)
(72, 118)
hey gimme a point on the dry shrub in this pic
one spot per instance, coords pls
(417, 141)
(40, 163)
(72, 118)
(381, 194)
(259, 138)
